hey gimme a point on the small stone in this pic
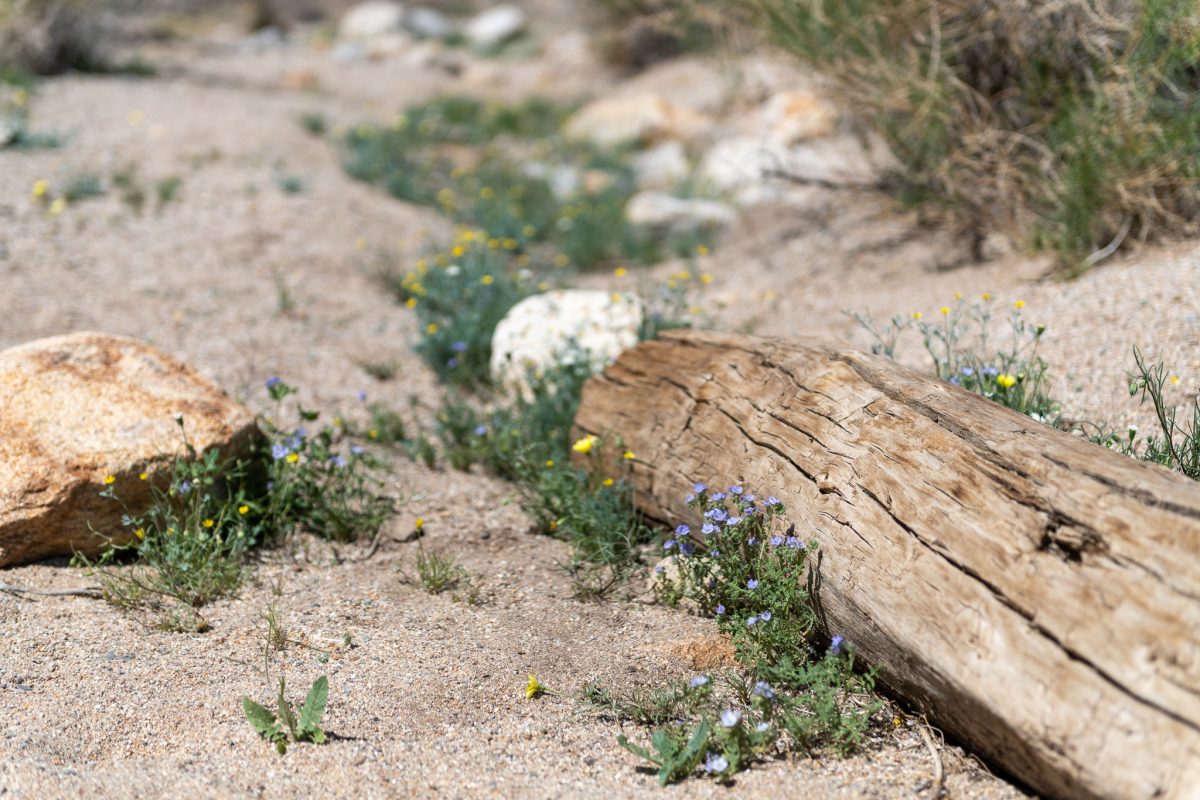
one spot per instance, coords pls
(494, 27)
(427, 23)
(663, 166)
(485, 535)
(793, 117)
(676, 214)
(372, 18)
(643, 119)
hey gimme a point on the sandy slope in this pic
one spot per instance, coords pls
(429, 700)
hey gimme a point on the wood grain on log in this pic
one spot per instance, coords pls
(1038, 596)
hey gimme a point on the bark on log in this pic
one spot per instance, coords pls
(1036, 595)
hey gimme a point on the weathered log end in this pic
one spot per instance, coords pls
(1036, 595)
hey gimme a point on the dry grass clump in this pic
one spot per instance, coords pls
(47, 37)
(647, 31)
(1073, 123)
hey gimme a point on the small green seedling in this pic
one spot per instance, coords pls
(674, 756)
(276, 729)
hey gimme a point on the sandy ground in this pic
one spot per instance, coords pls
(429, 700)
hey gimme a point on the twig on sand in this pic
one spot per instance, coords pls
(939, 775)
(86, 591)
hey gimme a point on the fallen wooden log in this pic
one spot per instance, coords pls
(1038, 596)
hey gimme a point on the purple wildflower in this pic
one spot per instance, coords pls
(720, 610)
(480, 430)
(459, 347)
(765, 616)
(716, 763)
(185, 487)
(835, 644)
(772, 500)
(776, 540)
(337, 460)
(730, 717)
(698, 681)
(750, 623)
(668, 544)
(686, 548)
(752, 584)
(708, 529)
(362, 396)
(356, 450)
(699, 487)
(794, 543)
(718, 496)
(735, 489)
(274, 381)
(452, 363)
(763, 689)
(682, 530)
(279, 450)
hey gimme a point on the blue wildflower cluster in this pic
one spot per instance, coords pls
(747, 569)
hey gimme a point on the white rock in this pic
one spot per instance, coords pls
(565, 181)
(372, 18)
(427, 23)
(797, 116)
(742, 161)
(568, 326)
(663, 166)
(663, 211)
(496, 26)
(644, 118)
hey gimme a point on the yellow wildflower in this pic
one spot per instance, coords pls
(620, 272)
(549, 462)
(458, 251)
(143, 476)
(553, 524)
(208, 523)
(431, 328)
(705, 278)
(487, 280)
(339, 422)
(410, 302)
(418, 523)
(1019, 304)
(292, 458)
(422, 265)
(40, 188)
(1174, 379)
(372, 434)
(533, 688)
(140, 533)
(608, 482)
(542, 286)
(243, 510)
(528, 231)
(585, 444)
(493, 244)
(561, 260)
(944, 310)
(629, 456)
(917, 315)
(701, 250)
(683, 275)
(487, 193)
(109, 480)
(58, 206)
(510, 244)
(1005, 380)
(958, 295)
(986, 295)
(615, 297)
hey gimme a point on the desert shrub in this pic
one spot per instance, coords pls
(48, 37)
(459, 296)
(746, 568)
(1073, 123)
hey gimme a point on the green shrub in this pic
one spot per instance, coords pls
(208, 510)
(512, 186)
(459, 300)
(1073, 123)
(747, 570)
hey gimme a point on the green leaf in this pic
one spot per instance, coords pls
(262, 719)
(637, 750)
(285, 711)
(314, 709)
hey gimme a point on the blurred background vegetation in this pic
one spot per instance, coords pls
(1070, 125)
